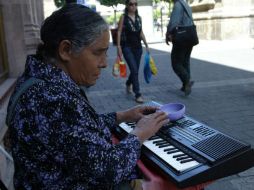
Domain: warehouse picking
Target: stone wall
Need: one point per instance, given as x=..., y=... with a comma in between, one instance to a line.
x=220, y=28
x=231, y=20
x=22, y=21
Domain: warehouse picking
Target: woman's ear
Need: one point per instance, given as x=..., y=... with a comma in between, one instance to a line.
x=64, y=50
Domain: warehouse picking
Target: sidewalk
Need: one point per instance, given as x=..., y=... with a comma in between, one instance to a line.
x=222, y=97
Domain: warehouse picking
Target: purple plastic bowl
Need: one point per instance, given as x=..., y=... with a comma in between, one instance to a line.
x=174, y=111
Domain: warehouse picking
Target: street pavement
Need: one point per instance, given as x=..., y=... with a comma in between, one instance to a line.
x=222, y=96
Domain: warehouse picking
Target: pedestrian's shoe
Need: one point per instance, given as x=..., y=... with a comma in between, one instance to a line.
x=191, y=84
x=129, y=89
x=139, y=99
x=187, y=89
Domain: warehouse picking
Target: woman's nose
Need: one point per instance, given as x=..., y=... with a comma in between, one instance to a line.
x=103, y=63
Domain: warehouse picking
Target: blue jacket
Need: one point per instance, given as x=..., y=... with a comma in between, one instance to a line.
x=179, y=16
x=58, y=139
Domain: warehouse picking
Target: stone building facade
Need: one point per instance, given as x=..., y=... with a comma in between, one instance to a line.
x=224, y=19
x=215, y=19
x=20, y=20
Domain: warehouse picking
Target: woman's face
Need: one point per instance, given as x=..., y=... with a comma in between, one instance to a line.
x=85, y=67
x=132, y=5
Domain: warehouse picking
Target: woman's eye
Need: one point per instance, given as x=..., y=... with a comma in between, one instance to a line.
x=97, y=53
x=100, y=53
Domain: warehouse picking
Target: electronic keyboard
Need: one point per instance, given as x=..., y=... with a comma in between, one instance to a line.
x=189, y=152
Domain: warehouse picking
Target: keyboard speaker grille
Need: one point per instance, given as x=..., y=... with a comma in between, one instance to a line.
x=219, y=146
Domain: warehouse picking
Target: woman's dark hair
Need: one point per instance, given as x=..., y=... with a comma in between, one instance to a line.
x=126, y=8
x=76, y=23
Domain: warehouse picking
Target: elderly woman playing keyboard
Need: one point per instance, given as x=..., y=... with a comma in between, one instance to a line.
x=58, y=140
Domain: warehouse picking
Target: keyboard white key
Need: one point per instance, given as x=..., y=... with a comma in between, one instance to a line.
x=126, y=127
x=177, y=165
x=168, y=158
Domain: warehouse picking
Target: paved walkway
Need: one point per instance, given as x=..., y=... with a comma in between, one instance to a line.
x=222, y=97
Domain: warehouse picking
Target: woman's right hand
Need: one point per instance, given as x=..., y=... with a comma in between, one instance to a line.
x=119, y=52
x=148, y=125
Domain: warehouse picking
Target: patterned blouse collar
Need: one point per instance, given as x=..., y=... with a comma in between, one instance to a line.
x=49, y=73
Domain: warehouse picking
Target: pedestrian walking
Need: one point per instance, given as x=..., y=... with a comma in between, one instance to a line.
x=58, y=140
x=129, y=38
x=180, y=54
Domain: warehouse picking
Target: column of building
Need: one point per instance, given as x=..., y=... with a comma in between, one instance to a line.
x=22, y=21
x=32, y=15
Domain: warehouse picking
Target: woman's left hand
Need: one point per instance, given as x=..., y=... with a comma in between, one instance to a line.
x=147, y=49
x=134, y=114
x=168, y=38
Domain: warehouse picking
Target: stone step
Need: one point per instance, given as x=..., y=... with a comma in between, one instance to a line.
x=5, y=89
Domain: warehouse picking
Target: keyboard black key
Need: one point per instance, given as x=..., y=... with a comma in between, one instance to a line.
x=164, y=145
x=173, y=151
x=183, y=158
x=178, y=155
x=187, y=160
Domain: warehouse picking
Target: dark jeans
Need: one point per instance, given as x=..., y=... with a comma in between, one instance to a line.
x=180, y=58
x=132, y=57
